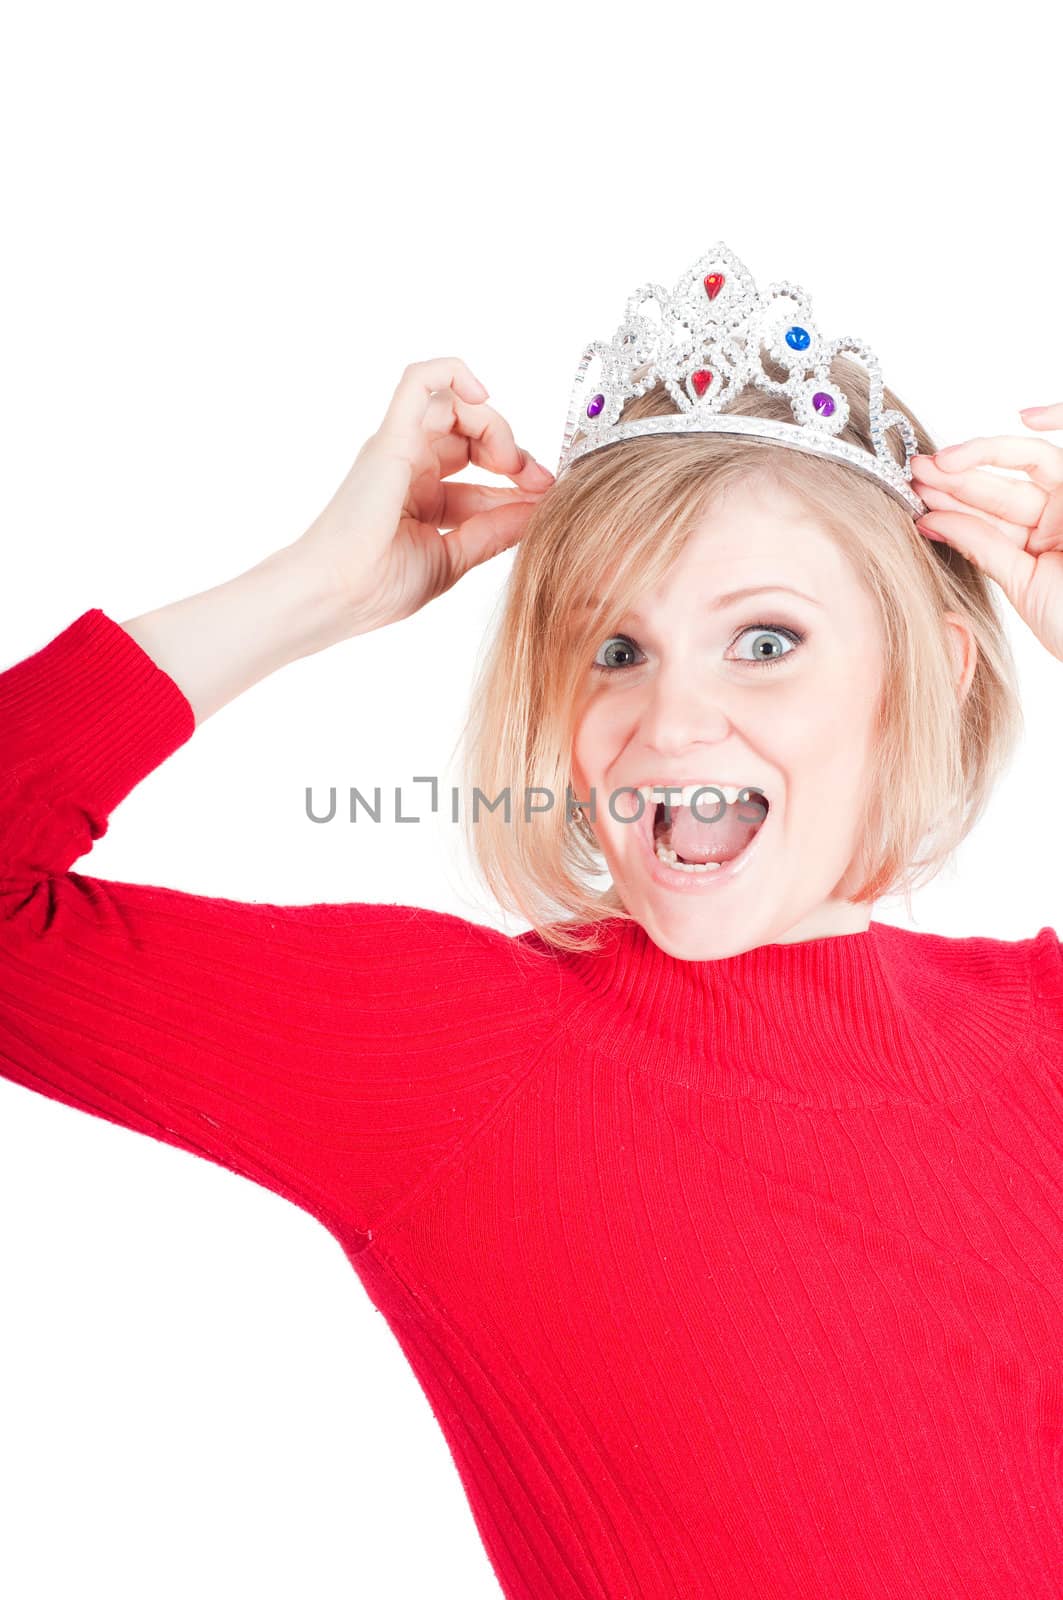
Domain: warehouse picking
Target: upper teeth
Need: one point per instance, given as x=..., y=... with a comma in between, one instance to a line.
x=674, y=795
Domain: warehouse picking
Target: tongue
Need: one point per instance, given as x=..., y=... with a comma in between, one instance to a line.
x=697, y=840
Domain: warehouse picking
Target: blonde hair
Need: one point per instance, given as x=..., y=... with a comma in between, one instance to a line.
x=612, y=527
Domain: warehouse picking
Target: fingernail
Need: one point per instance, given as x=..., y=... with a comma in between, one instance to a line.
x=1032, y=411
x=930, y=534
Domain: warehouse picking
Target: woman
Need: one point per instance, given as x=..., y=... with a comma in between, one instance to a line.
x=722, y=1225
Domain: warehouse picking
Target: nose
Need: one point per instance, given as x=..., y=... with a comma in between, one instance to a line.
x=684, y=707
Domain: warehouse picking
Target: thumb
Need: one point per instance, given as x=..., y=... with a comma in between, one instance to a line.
x=487, y=534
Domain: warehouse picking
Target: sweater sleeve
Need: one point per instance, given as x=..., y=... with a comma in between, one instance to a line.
x=337, y=1054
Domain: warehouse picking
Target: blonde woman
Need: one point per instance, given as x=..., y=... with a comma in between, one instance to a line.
x=721, y=1224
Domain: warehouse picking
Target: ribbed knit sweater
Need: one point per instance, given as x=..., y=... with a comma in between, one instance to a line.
x=735, y=1278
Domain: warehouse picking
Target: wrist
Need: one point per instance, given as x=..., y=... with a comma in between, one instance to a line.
x=311, y=612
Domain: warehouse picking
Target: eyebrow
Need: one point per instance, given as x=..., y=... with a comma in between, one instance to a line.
x=734, y=595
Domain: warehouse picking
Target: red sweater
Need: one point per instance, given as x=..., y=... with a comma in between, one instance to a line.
x=737, y=1278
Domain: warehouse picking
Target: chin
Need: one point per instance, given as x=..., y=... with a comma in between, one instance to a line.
x=712, y=940
x=695, y=930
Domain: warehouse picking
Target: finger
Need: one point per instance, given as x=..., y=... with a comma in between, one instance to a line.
x=448, y=505
x=483, y=437
x=941, y=500
x=452, y=452
x=1015, y=500
x=438, y=441
x=1050, y=528
x=1043, y=416
x=1008, y=564
x=446, y=456
x=442, y=437
x=484, y=536
x=463, y=501
x=413, y=397
x=493, y=447
x=1043, y=461
x=442, y=457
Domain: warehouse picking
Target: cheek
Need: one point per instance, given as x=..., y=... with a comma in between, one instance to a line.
x=596, y=740
x=825, y=751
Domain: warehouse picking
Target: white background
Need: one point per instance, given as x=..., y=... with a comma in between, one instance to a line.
x=227, y=230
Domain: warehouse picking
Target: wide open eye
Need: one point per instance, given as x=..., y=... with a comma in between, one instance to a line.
x=616, y=648
x=764, y=638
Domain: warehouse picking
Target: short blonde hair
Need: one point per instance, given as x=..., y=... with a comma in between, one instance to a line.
x=612, y=527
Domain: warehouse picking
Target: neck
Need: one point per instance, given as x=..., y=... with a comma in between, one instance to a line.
x=832, y=917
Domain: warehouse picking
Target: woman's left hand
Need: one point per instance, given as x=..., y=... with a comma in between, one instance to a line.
x=1010, y=528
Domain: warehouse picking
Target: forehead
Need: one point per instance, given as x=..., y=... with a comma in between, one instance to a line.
x=753, y=537
x=763, y=509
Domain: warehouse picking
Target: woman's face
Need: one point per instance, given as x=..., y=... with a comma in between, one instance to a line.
x=681, y=695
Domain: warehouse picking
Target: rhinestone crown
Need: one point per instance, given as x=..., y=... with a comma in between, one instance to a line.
x=705, y=342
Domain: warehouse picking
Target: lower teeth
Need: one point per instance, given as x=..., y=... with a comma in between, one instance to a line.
x=670, y=859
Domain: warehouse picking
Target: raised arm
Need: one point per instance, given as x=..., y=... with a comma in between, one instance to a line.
x=336, y=1054
x=373, y=556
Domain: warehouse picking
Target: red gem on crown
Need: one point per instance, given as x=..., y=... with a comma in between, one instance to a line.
x=701, y=381
x=714, y=283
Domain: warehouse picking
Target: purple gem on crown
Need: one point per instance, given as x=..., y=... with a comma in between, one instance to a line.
x=823, y=404
x=596, y=405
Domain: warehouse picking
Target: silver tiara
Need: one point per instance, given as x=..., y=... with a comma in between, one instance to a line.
x=705, y=342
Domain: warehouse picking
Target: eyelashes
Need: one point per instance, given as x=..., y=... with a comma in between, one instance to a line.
x=794, y=635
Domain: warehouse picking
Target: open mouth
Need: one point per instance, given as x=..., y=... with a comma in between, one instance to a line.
x=708, y=838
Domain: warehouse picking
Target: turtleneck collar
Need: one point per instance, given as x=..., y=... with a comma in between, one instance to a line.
x=851, y=1019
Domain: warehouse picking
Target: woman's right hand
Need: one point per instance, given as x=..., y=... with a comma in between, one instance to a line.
x=378, y=541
